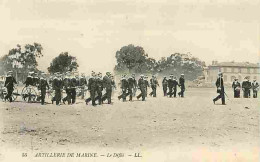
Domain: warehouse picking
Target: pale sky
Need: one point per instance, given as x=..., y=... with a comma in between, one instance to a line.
x=93, y=30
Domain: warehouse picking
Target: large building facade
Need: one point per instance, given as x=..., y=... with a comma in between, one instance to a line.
x=232, y=70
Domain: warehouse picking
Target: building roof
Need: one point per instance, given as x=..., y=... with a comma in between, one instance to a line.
x=235, y=64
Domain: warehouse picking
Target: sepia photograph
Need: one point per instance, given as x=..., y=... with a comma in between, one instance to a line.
x=124, y=81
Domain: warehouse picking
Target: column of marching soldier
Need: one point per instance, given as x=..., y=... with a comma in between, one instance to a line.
x=128, y=85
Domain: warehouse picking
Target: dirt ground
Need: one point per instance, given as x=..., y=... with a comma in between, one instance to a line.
x=160, y=129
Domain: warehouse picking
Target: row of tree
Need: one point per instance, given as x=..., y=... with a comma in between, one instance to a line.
x=23, y=59
x=130, y=59
x=133, y=59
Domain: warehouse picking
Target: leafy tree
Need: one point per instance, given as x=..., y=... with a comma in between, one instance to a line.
x=62, y=63
x=130, y=59
x=181, y=63
x=22, y=59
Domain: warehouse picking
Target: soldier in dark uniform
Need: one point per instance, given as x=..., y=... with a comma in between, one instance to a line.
x=124, y=88
x=9, y=84
x=99, y=86
x=172, y=85
x=67, y=87
x=108, y=83
x=246, y=86
x=132, y=84
x=35, y=79
x=113, y=85
x=73, y=85
x=82, y=85
x=92, y=87
x=142, y=85
x=164, y=85
x=43, y=85
x=220, y=89
x=57, y=86
x=135, y=85
x=255, y=87
x=236, y=87
x=146, y=85
x=154, y=83
x=29, y=80
x=182, y=85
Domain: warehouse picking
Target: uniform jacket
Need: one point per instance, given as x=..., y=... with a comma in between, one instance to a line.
x=255, y=85
x=141, y=83
x=172, y=83
x=9, y=82
x=99, y=83
x=92, y=83
x=57, y=84
x=43, y=84
x=28, y=81
x=165, y=82
x=124, y=84
x=236, y=85
x=132, y=83
x=73, y=83
x=107, y=83
x=246, y=84
x=182, y=82
x=220, y=83
x=82, y=81
x=154, y=82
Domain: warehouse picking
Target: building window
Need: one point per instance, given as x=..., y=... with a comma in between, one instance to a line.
x=248, y=70
x=225, y=78
x=232, y=70
x=225, y=70
x=255, y=71
x=239, y=70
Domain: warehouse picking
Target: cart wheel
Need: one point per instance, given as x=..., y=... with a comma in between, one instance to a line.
x=29, y=94
x=15, y=94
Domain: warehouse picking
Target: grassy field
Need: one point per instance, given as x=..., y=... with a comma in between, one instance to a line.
x=166, y=129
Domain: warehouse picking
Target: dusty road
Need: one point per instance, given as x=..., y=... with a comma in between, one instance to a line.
x=166, y=129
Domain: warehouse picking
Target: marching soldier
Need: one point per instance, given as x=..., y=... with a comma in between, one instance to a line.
x=99, y=86
x=113, y=85
x=57, y=86
x=92, y=89
x=108, y=83
x=43, y=85
x=131, y=87
x=182, y=85
x=146, y=85
x=135, y=84
x=9, y=84
x=246, y=86
x=73, y=85
x=164, y=85
x=67, y=87
x=255, y=87
x=124, y=88
x=236, y=87
x=82, y=85
x=142, y=86
x=29, y=80
x=35, y=79
x=172, y=84
x=154, y=83
x=220, y=89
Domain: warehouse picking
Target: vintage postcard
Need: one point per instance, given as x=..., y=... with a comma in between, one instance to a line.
x=136, y=80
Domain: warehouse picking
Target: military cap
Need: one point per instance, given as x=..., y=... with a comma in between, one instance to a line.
x=182, y=74
x=10, y=72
